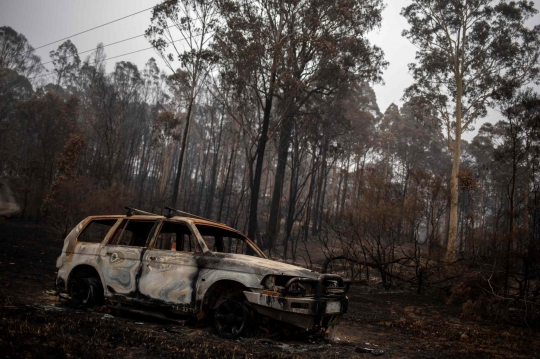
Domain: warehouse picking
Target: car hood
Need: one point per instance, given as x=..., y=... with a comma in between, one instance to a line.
x=256, y=265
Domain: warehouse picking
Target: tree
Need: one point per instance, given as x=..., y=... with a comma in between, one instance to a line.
x=13, y=89
x=66, y=62
x=309, y=65
x=289, y=51
x=64, y=196
x=471, y=52
x=16, y=53
x=252, y=43
x=46, y=120
x=518, y=135
x=17, y=63
x=194, y=22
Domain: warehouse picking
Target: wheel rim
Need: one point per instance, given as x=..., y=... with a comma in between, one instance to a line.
x=230, y=318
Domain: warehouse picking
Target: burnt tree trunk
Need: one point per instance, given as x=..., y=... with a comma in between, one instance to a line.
x=283, y=151
x=182, y=153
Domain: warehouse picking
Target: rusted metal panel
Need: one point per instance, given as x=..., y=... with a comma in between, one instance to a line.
x=120, y=267
x=169, y=276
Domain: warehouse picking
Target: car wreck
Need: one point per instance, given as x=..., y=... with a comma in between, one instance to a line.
x=182, y=264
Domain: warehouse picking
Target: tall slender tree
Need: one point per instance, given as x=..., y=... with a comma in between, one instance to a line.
x=252, y=42
x=310, y=65
x=66, y=62
x=193, y=22
x=470, y=52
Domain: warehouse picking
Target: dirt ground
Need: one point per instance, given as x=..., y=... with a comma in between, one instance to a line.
x=33, y=324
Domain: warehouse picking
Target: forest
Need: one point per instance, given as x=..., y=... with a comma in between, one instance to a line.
x=264, y=118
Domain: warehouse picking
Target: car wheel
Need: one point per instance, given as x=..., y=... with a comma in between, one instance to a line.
x=86, y=292
x=231, y=318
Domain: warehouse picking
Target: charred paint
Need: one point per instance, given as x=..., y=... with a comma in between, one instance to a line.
x=179, y=281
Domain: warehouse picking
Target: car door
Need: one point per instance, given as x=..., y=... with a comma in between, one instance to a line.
x=169, y=267
x=120, y=257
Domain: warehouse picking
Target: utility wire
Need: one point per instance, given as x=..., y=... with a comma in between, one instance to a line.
x=109, y=58
x=114, y=43
x=100, y=61
x=83, y=52
x=114, y=57
x=94, y=28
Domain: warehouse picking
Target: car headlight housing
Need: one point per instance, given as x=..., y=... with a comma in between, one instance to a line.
x=269, y=283
x=277, y=283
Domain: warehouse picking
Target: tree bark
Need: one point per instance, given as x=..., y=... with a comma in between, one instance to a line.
x=454, y=179
x=182, y=153
x=283, y=152
x=261, y=145
x=228, y=175
x=214, y=171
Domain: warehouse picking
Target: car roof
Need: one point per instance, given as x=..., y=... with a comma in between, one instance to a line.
x=154, y=217
x=195, y=221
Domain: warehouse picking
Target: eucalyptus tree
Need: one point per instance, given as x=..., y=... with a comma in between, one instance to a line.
x=470, y=52
x=16, y=54
x=251, y=44
x=181, y=30
x=288, y=51
x=18, y=63
x=324, y=46
x=518, y=139
x=114, y=118
x=66, y=62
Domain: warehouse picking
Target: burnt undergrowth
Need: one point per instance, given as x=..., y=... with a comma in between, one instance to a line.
x=35, y=332
x=396, y=320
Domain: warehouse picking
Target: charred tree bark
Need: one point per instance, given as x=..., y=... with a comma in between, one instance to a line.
x=321, y=180
x=293, y=193
x=213, y=174
x=182, y=153
x=230, y=170
x=272, y=229
x=261, y=145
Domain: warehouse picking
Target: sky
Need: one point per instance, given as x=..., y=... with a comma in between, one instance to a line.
x=45, y=21
x=400, y=52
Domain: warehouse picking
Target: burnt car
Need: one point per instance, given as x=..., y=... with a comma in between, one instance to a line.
x=181, y=264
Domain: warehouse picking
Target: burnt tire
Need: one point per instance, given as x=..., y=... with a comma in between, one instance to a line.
x=231, y=319
x=86, y=292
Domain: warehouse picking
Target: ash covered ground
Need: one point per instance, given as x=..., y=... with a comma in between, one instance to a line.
x=34, y=324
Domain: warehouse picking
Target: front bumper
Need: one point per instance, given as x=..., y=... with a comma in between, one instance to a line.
x=306, y=312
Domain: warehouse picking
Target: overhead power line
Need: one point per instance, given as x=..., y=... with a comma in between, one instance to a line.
x=109, y=58
x=111, y=44
x=114, y=43
x=94, y=28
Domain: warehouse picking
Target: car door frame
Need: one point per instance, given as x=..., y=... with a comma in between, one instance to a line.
x=170, y=278
x=120, y=265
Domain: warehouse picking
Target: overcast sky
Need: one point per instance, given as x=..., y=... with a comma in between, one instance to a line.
x=44, y=21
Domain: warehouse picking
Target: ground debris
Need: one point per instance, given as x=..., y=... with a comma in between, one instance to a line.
x=291, y=348
x=47, y=308
x=173, y=329
x=429, y=328
x=375, y=352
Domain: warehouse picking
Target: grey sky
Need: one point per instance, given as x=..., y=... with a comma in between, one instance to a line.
x=44, y=21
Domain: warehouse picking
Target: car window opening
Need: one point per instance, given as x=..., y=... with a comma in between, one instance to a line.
x=132, y=233
x=175, y=237
x=96, y=230
x=224, y=241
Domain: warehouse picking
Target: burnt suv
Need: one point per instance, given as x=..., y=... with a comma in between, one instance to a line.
x=181, y=264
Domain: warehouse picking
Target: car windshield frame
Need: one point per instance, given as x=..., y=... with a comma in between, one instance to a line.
x=257, y=252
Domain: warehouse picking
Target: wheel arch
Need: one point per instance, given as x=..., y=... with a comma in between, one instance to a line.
x=220, y=290
x=83, y=270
